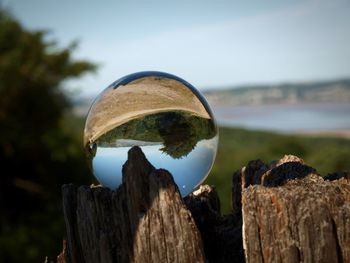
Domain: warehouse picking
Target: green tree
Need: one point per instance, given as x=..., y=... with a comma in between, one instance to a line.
x=38, y=153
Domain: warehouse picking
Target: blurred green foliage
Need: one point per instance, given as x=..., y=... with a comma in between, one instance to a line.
x=238, y=146
x=38, y=150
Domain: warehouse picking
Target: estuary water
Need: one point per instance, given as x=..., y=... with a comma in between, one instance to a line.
x=286, y=118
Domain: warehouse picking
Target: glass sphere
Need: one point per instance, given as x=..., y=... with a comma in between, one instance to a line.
x=162, y=114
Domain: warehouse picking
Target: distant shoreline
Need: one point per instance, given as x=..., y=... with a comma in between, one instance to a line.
x=336, y=133
x=342, y=133
x=294, y=93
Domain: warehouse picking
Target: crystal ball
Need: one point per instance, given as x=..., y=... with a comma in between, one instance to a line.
x=162, y=114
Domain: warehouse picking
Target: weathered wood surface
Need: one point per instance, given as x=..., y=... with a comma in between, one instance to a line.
x=145, y=220
x=284, y=210
x=291, y=214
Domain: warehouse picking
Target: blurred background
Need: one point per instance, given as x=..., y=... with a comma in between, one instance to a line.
x=276, y=73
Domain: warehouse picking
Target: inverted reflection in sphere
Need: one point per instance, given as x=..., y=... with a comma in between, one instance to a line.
x=162, y=114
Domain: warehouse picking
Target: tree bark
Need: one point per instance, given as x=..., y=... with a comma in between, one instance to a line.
x=291, y=214
x=145, y=220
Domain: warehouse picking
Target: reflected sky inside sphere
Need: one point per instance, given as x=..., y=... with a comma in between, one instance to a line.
x=187, y=171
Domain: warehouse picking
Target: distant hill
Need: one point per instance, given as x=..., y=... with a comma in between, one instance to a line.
x=310, y=92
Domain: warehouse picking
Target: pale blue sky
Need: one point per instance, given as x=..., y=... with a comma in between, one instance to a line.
x=211, y=44
x=107, y=164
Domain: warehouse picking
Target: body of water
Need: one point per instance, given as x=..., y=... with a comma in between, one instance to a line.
x=286, y=118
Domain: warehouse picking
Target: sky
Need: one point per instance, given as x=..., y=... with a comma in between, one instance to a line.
x=108, y=161
x=211, y=44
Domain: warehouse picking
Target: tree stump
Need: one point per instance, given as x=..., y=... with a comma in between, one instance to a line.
x=145, y=220
x=291, y=214
x=284, y=211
